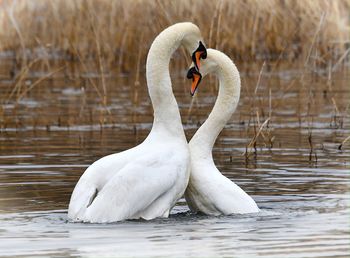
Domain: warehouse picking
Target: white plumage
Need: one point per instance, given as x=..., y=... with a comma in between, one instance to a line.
x=147, y=180
x=208, y=190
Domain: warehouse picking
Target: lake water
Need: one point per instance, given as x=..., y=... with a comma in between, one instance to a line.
x=60, y=127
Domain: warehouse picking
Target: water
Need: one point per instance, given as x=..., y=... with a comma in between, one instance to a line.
x=59, y=128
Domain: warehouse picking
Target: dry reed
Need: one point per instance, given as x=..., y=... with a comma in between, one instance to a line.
x=113, y=37
x=109, y=30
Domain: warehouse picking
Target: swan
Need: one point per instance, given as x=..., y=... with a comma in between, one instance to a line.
x=208, y=191
x=147, y=180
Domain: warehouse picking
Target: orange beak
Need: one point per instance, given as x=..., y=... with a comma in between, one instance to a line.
x=198, y=58
x=196, y=77
x=195, y=82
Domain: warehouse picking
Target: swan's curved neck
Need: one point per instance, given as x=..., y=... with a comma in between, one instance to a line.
x=166, y=112
x=202, y=143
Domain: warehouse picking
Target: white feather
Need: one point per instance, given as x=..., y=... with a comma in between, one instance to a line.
x=145, y=181
x=208, y=190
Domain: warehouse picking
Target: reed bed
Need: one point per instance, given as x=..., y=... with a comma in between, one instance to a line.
x=92, y=43
x=115, y=30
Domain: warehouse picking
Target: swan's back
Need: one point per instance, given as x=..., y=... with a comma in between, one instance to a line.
x=143, y=182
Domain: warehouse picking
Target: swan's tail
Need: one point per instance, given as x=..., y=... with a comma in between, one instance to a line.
x=83, y=195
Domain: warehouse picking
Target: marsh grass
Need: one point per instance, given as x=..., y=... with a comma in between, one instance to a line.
x=95, y=42
x=115, y=30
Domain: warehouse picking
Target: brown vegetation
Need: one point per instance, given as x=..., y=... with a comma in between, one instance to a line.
x=115, y=30
x=90, y=43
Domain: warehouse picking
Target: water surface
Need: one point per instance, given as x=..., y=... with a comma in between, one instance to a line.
x=52, y=134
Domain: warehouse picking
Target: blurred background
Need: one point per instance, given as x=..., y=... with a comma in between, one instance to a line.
x=73, y=89
x=94, y=46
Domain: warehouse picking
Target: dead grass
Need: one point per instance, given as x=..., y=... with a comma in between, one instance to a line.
x=111, y=30
x=112, y=37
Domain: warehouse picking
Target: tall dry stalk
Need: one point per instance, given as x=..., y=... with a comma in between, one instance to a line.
x=246, y=30
x=112, y=37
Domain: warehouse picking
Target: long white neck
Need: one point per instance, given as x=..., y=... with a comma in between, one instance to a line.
x=167, y=117
x=202, y=142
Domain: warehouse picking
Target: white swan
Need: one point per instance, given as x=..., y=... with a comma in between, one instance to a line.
x=208, y=190
x=147, y=180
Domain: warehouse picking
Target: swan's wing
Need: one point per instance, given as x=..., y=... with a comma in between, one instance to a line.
x=134, y=188
x=93, y=180
x=213, y=193
x=232, y=198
